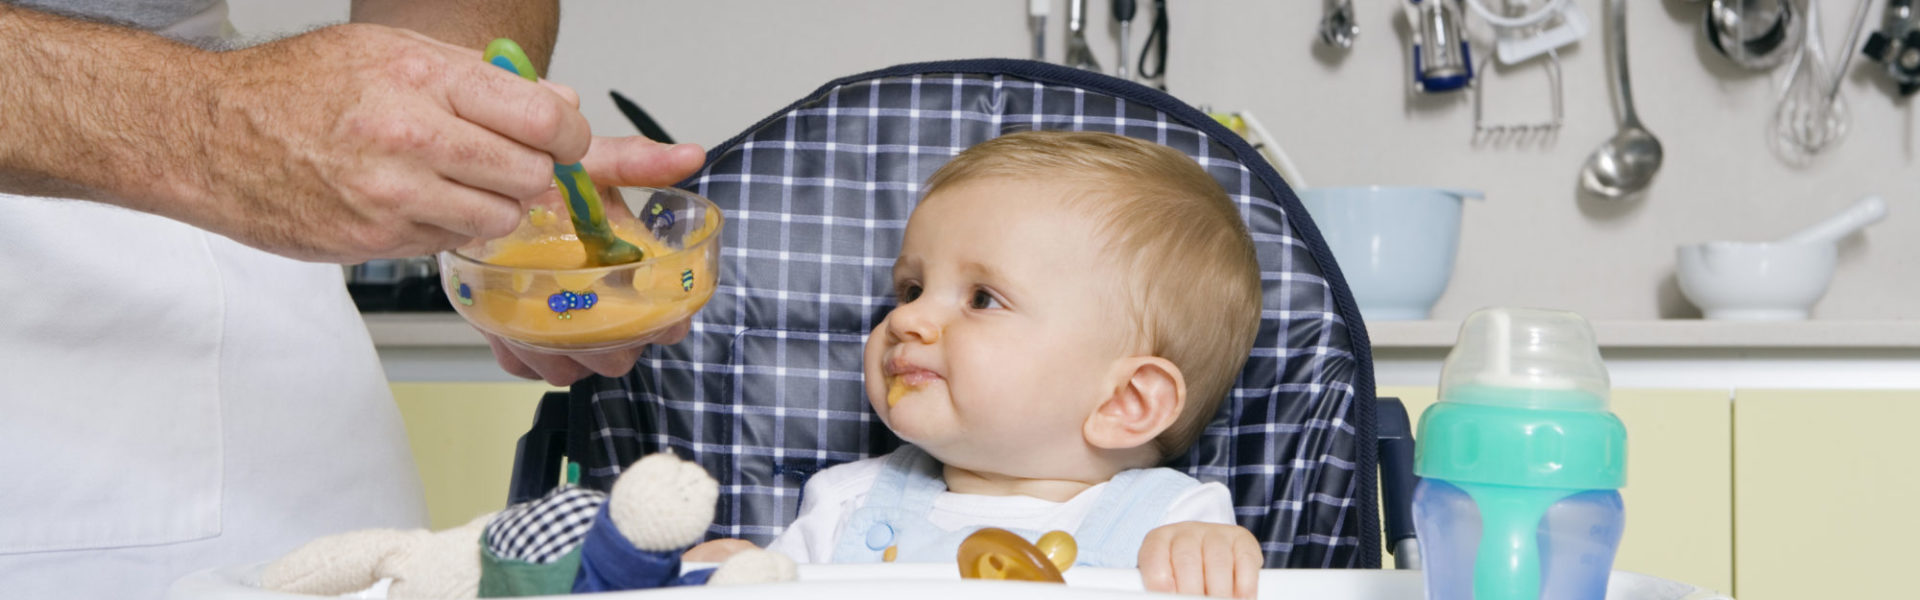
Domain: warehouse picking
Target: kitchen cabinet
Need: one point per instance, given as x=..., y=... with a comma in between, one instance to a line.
x=1824, y=493
x=1679, y=494
x=463, y=435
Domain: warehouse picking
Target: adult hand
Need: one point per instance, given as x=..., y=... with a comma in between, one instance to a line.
x=611, y=162
x=362, y=141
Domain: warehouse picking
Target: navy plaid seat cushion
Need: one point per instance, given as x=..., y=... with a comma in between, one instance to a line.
x=766, y=389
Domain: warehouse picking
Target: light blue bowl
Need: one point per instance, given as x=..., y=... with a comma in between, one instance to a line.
x=1394, y=244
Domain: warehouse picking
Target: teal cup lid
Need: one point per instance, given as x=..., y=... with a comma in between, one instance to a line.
x=1523, y=402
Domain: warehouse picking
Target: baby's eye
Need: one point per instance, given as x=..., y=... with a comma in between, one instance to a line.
x=907, y=292
x=982, y=300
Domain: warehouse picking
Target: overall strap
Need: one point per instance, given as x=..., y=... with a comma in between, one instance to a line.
x=910, y=481
x=899, y=500
x=1134, y=503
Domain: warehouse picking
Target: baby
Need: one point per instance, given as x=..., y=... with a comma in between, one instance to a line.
x=1072, y=309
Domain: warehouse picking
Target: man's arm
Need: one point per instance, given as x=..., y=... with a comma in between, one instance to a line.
x=472, y=23
x=96, y=111
x=342, y=144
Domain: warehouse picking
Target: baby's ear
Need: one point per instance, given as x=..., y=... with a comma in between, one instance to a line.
x=1147, y=395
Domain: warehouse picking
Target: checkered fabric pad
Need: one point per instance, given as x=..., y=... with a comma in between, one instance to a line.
x=542, y=530
x=766, y=389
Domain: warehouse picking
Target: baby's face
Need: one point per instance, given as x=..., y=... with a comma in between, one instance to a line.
x=1006, y=333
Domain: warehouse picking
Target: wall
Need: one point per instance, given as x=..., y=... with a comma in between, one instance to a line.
x=708, y=69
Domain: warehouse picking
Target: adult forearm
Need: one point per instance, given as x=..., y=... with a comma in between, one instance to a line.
x=472, y=23
x=97, y=111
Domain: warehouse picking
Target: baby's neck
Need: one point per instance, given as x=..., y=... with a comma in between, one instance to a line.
x=983, y=483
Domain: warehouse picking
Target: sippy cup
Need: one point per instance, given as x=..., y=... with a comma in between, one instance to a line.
x=1520, y=462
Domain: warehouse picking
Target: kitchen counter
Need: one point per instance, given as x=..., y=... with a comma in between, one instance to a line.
x=1685, y=333
x=1690, y=354
x=416, y=330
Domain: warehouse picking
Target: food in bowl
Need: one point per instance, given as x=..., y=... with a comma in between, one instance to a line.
x=535, y=288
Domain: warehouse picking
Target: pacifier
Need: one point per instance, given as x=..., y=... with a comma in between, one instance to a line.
x=998, y=554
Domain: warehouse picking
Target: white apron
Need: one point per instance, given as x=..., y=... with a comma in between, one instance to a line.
x=171, y=400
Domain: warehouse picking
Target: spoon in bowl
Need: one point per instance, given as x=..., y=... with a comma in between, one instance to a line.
x=1625, y=165
x=583, y=199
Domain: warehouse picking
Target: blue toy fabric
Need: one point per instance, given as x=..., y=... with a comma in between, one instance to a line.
x=609, y=563
x=566, y=541
x=896, y=508
x=766, y=389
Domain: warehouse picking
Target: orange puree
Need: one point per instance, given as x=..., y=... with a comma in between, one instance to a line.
x=895, y=390
x=628, y=301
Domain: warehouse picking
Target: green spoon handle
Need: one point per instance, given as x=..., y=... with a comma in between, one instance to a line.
x=584, y=206
x=583, y=198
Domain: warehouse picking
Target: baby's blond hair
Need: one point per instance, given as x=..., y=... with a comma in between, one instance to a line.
x=1191, y=281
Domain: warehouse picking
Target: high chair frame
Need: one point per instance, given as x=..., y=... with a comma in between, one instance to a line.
x=766, y=388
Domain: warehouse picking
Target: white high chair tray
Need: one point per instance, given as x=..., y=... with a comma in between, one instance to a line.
x=942, y=582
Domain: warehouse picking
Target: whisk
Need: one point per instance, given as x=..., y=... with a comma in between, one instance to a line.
x=1811, y=115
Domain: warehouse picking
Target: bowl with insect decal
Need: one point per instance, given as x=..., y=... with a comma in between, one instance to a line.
x=536, y=288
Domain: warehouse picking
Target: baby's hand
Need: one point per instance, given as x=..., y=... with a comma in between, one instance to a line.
x=713, y=551
x=1201, y=559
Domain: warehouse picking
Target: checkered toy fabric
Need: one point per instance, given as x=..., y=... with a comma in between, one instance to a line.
x=766, y=388
x=543, y=530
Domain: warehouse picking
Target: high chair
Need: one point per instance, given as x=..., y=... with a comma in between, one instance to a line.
x=766, y=389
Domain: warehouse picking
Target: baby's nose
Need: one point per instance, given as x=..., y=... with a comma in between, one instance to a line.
x=912, y=323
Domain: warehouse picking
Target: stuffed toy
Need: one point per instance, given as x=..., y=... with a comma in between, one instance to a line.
x=572, y=540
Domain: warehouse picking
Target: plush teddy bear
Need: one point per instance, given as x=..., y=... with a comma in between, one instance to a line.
x=572, y=540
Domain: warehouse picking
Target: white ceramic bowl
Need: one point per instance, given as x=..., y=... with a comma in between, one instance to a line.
x=1395, y=245
x=1756, y=281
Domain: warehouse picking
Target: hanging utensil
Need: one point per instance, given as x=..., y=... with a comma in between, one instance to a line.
x=1123, y=14
x=1520, y=35
x=1811, y=115
x=1625, y=165
x=1897, y=45
x=1756, y=34
x=1079, y=56
x=1518, y=134
x=1037, y=23
x=1338, y=28
x=1442, y=60
x=1153, y=53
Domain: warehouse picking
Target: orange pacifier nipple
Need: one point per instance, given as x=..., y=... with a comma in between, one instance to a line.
x=993, y=553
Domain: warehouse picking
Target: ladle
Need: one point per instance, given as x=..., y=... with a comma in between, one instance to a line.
x=1625, y=165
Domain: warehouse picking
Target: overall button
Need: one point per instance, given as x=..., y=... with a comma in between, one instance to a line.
x=880, y=536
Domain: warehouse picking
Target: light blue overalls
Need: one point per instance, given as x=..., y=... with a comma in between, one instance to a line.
x=895, y=514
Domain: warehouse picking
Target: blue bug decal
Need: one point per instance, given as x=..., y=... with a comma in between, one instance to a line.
x=659, y=217
x=463, y=291
x=566, y=302
x=686, y=280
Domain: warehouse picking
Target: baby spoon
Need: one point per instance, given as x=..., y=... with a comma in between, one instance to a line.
x=583, y=199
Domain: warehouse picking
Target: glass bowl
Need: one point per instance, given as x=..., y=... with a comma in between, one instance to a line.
x=532, y=288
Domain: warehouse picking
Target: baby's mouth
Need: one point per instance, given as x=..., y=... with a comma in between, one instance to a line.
x=899, y=384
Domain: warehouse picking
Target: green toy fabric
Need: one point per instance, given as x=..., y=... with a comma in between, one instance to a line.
x=510, y=578
x=533, y=548
x=545, y=528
